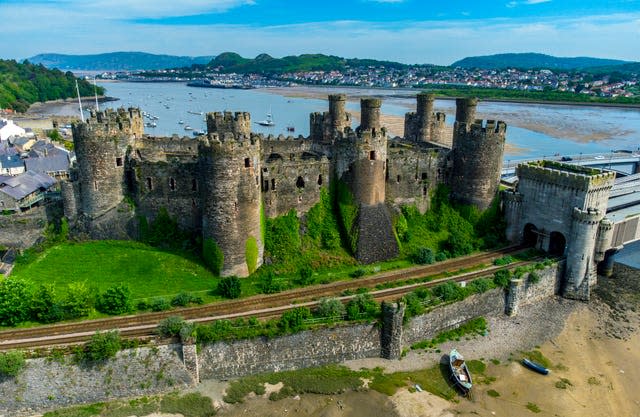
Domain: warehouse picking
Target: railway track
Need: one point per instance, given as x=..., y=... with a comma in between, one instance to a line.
x=261, y=306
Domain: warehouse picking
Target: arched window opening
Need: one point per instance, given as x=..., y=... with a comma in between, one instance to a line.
x=300, y=182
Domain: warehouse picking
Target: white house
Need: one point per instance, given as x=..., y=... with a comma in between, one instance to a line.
x=9, y=129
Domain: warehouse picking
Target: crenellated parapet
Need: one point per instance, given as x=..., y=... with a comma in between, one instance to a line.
x=424, y=125
x=565, y=175
x=238, y=123
x=329, y=126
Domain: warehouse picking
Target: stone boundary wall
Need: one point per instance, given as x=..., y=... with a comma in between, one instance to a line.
x=223, y=360
x=47, y=384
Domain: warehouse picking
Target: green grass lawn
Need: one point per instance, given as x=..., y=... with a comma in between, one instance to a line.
x=148, y=271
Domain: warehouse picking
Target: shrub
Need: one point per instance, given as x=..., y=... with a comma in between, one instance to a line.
x=159, y=304
x=480, y=285
x=78, y=301
x=267, y=283
x=293, y=320
x=184, y=299
x=505, y=260
x=501, y=278
x=414, y=306
x=171, y=326
x=441, y=256
x=362, y=306
x=229, y=287
x=14, y=301
x=283, y=236
x=11, y=363
x=331, y=308
x=533, y=278
x=423, y=256
x=212, y=256
x=306, y=275
x=358, y=273
x=115, y=300
x=449, y=291
x=45, y=307
x=101, y=347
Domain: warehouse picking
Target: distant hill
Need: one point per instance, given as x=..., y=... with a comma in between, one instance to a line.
x=117, y=61
x=265, y=64
x=24, y=84
x=532, y=61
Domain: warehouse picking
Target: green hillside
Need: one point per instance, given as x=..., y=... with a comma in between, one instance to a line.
x=265, y=64
x=533, y=61
x=24, y=84
x=117, y=61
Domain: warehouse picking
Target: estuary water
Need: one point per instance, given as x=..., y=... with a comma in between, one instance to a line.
x=534, y=130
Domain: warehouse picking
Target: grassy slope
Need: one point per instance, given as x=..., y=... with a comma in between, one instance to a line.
x=148, y=271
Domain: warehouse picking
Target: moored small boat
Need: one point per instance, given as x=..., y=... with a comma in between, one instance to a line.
x=459, y=371
x=535, y=366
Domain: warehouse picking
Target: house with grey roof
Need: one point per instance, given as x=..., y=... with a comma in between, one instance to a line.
x=55, y=165
x=11, y=163
x=21, y=192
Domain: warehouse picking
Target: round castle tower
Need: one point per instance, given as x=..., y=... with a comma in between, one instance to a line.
x=370, y=155
x=101, y=145
x=581, y=267
x=229, y=159
x=478, y=149
x=328, y=126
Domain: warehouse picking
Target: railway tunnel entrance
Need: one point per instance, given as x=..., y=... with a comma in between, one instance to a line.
x=557, y=244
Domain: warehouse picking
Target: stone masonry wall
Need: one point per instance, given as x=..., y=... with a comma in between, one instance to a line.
x=224, y=360
x=46, y=384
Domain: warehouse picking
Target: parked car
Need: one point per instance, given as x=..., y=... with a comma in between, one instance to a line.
x=566, y=158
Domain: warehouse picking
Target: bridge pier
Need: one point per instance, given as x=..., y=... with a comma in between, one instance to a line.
x=605, y=267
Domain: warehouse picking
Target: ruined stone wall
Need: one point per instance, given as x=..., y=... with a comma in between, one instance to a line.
x=477, y=154
x=173, y=185
x=413, y=172
x=293, y=183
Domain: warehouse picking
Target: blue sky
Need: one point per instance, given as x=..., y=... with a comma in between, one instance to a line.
x=411, y=31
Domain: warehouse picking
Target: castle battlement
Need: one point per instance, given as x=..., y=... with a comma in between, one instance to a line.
x=228, y=122
x=283, y=138
x=565, y=175
x=588, y=216
x=481, y=128
x=109, y=123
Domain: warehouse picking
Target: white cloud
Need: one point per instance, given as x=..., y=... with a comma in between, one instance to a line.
x=40, y=29
x=536, y=1
x=514, y=3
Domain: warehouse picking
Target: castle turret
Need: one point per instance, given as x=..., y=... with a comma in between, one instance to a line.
x=101, y=145
x=478, y=150
x=238, y=123
x=581, y=267
x=466, y=110
x=424, y=125
x=231, y=197
x=328, y=126
x=370, y=114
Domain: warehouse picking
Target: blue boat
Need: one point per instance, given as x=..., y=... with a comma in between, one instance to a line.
x=459, y=371
x=535, y=366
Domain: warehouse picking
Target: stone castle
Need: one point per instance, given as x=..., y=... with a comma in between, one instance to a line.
x=218, y=184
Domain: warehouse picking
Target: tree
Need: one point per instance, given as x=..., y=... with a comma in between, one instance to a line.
x=115, y=300
x=15, y=298
x=229, y=287
x=423, y=256
x=45, y=307
x=331, y=308
x=78, y=301
x=293, y=320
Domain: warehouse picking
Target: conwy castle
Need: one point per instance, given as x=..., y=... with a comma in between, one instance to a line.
x=221, y=184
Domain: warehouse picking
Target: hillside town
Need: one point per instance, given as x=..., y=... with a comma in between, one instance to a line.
x=419, y=76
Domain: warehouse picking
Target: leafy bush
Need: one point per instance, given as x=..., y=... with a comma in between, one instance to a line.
x=331, y=308
x=229, y=287
x=533, y=277
x=501, y=278
x=441, y=256
x=184, y=299
x=306, y=275
x=115, y=300
x=45, y=306
x=322, y=225
x=423, y=256
x=283, y=236
x=449, y=291
x=11, y=363
x=293, y=320
x=212, y=256
x=15, y=298
x=414, y=306
x=171, y=326
x=362, y=306
x=505, y=260
x=267, y=283
x=360, y=272
x=78, y=301
x=480, y=285
x=101, y=347
x=189, y=405
x=159, y=304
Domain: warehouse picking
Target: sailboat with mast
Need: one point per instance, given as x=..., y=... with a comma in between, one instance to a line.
x=268, y=121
